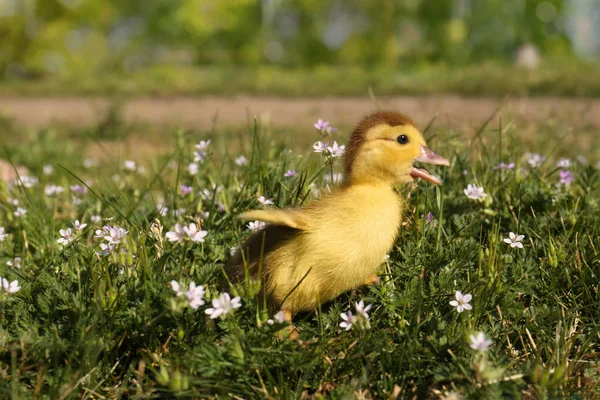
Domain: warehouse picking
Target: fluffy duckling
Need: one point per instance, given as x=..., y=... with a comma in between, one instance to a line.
x=309, y=255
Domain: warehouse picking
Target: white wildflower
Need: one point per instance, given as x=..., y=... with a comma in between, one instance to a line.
x=348, y=320
x=78, y=225
x=11, y=287
x=479, y=342
x=514, y=240
x=223, y=305
x=277, y=318
x=177, y=234
x=256, y=225
x=474, y=192
x=535, y=160
x=264, y=201
x=66, y=237
x=194, y=234
x=462, y=302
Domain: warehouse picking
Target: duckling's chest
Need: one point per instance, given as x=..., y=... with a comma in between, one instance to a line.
x=366, y=224
x=378, y=213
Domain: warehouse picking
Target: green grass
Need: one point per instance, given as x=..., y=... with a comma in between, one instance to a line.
x=89, y=326
x=562, y=77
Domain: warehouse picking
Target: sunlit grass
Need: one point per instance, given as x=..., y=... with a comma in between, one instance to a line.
x=88, y=325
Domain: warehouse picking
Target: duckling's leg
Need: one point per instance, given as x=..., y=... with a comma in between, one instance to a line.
x=372, y=280
x=287, y=315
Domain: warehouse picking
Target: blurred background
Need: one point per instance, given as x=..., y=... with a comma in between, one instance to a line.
x=85, y=40
x=130, y=73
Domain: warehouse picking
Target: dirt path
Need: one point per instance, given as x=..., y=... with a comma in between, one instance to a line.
x=200, y=112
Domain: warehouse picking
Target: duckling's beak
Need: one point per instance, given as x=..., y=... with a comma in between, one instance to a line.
x=429, y=157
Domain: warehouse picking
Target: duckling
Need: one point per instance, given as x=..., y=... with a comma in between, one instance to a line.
x=309, y=255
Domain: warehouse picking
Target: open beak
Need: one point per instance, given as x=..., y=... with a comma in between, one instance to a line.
x=429, y=157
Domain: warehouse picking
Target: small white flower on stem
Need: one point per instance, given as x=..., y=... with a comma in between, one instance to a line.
x=130, y=165
x=194, y=234
x=348, y=320
x=535, y=160
x=176, y=287
x=201, y=150
x=48, y=169
x=256, y=225
x=195, y=295
x=479, y=342
x=66, y=236
x=320, y=147
x=223, y=305
x=115, y=235
x=20, y=212
x=11, y=287
x=514, y=240
x=241, y=161
x=362, y=310
x=336, y=150
x=177, y=234
x=3, y=235
x=264, y=201
x=564, y=163
x=475, y=192
x=79, y=226
x=15, y=262
x=193, y=168
x=51, y=190
x=462, y=302
x=277, y=318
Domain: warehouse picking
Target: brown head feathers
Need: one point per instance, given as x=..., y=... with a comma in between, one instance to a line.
x=357, y=138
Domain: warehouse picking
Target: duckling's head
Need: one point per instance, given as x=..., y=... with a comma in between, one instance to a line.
x=383, y=148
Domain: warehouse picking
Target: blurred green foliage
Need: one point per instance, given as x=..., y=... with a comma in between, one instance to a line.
x=65, y=37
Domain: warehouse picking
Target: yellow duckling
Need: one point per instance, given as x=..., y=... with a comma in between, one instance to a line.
x=309, y=255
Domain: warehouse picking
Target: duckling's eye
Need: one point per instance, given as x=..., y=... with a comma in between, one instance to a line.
x=402, y=139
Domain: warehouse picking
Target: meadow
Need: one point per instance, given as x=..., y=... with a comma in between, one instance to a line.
x=492, y=289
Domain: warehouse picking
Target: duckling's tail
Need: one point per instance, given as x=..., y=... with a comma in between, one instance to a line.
x=276, y=217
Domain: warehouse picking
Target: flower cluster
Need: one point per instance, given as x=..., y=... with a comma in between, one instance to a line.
x=194, y=294
x=535, y=160
x=27, y=181
x=3, y=235
x=113, y=235
x=15, y=262
x=278, y=318
x=566, y=178
x=328, y=151
x=52, y=190
x=190, y=232
x=361, y=317
x=256, y=225
x=324, y=127
x=505, y=166
x=201, y=151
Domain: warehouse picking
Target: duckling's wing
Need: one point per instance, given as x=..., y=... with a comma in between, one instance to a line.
x=291, y=218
